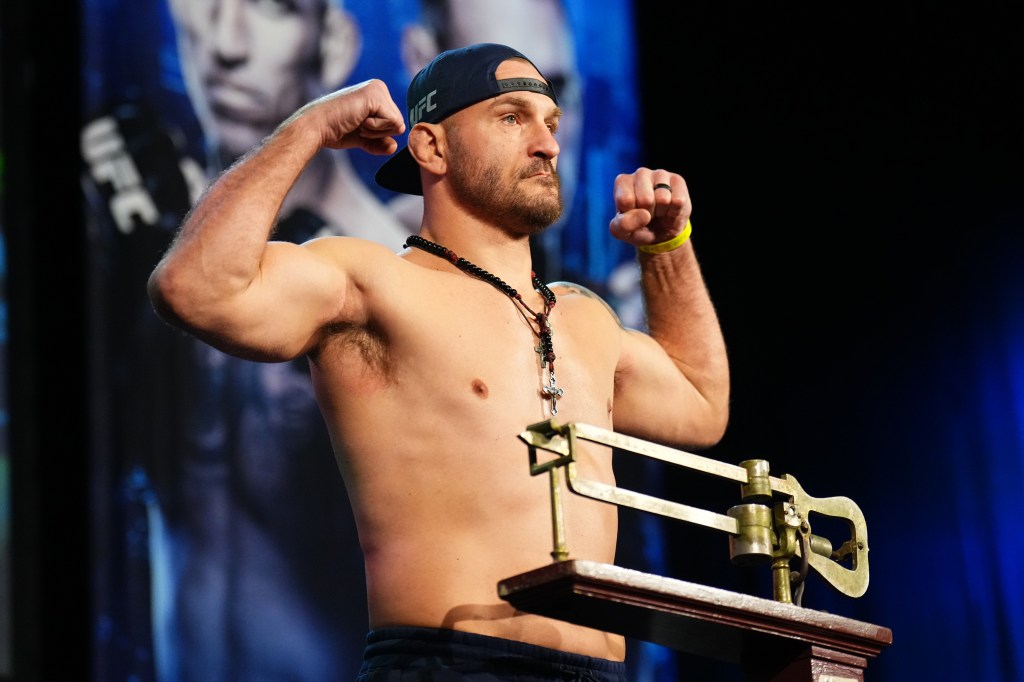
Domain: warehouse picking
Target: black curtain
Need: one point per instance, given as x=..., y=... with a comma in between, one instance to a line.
x=856, y=175
x=47, y=343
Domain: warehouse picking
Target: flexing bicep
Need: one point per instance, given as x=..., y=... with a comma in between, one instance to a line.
x=279, y=312
x=658, y=397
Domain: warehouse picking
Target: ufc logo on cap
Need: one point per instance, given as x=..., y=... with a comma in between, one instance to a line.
x=425, y=104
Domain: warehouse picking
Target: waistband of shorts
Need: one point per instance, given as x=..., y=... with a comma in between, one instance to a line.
x=419, y=641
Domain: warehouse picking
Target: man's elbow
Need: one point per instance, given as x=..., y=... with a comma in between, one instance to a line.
x=710, y=426
x=171, y=295
x=714, y=429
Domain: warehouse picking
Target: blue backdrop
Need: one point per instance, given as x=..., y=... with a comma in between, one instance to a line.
x=185, y=515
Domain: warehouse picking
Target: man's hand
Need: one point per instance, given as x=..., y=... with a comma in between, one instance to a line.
x=648, y=212
x=361, y=116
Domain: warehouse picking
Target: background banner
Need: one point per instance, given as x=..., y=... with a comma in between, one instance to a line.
x=224, y=548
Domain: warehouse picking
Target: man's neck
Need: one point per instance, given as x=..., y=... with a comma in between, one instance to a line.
x=491, y=247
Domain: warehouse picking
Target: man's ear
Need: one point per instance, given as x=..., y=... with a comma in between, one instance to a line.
x=427, y=145
x=418, y=48
x=340, y=44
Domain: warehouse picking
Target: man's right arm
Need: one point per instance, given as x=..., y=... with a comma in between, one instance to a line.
x=224, y=282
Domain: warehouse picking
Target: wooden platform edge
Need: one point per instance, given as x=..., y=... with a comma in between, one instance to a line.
x=688, y=617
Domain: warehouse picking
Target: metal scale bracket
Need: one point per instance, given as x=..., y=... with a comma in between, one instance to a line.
x=771, y=525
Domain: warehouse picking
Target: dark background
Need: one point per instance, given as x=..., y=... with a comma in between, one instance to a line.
x=856, y=175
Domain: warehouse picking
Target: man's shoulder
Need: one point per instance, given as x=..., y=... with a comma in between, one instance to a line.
x=371, y=267
x=352, y=248
x=572, y=291
x=572, y=288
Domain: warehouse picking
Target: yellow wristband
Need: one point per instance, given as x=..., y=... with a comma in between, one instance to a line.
x=671, y=244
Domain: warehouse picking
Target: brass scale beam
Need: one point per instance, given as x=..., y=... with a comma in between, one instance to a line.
x=770, y=526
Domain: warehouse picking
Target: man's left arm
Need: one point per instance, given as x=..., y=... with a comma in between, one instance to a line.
x=673, y=383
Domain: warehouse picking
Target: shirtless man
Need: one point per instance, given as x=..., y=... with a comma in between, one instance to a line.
x=425, y=368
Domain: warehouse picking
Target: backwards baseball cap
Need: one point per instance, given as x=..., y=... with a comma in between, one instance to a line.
x=453, y=81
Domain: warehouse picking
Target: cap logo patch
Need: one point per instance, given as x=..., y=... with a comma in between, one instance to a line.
x=426, y=104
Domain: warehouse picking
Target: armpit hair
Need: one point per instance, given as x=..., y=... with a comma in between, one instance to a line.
x=369, y=343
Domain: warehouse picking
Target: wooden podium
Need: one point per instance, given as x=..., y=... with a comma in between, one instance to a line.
x=771, y=640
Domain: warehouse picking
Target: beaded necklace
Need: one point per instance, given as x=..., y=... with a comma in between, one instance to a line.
x=545, y=348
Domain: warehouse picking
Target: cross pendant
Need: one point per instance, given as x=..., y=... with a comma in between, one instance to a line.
x=553, y=392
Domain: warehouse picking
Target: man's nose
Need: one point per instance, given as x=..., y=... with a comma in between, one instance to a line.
x=230, y=31
x=545, y=144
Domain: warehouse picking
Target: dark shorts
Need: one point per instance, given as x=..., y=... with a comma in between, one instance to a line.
x=424, y=655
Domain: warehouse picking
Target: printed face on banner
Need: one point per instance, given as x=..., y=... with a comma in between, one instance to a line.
x=248, y=64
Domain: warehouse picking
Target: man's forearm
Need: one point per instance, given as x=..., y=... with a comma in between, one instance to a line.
x=682, y=319
x=220, y=246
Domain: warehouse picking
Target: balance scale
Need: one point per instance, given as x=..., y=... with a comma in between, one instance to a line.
x=774, y=640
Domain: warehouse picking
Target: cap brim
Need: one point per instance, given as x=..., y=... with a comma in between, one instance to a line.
x=400, y=173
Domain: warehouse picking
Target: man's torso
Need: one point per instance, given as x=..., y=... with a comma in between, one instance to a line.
x=424, y=401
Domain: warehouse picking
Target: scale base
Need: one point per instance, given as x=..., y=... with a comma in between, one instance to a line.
x=771, y=640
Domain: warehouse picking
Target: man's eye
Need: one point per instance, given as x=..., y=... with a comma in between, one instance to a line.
x=275, y=7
